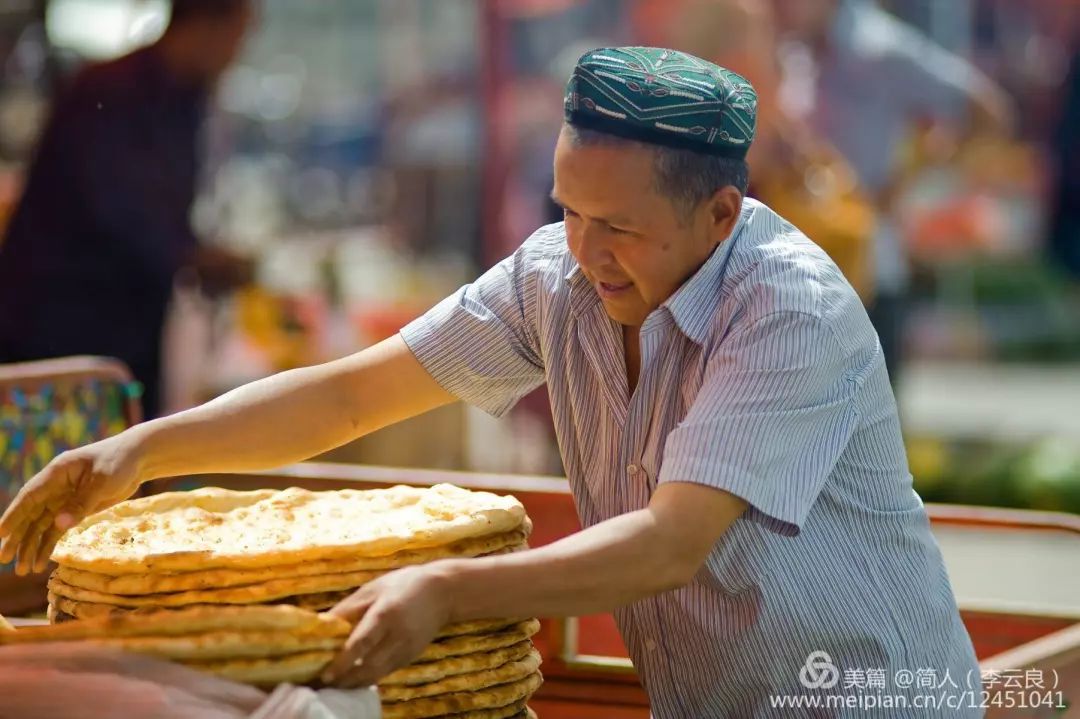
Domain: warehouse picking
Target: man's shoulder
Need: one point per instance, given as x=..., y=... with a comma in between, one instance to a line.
x=548, y=242
x=776, y=269
x=545, y=253
x=775, y=264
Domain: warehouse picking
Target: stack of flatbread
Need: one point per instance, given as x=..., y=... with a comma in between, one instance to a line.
x=261, y=645
x=212, y=550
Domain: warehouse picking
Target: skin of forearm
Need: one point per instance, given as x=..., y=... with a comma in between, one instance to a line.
x=274, y=421
x=287, y=417
x=609, y=565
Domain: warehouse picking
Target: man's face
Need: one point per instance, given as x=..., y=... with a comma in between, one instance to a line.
x=631, y=242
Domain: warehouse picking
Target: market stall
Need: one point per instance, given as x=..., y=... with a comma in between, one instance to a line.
x=1021, y=594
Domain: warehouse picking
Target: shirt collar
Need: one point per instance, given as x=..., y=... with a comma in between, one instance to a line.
x=582, y=293
x=694, y=304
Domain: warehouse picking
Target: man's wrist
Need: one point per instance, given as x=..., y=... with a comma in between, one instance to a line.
x=139, y=446
x=448, y=578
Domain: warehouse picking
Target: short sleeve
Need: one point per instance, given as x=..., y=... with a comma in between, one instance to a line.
x=480, y=344
x=774, y=414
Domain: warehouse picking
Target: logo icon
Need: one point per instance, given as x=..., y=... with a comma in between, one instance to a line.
x=819, y=672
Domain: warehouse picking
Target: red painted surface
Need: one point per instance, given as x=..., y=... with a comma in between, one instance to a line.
x=993, y=633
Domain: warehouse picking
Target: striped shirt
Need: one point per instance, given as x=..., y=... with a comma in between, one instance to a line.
x=761, y=376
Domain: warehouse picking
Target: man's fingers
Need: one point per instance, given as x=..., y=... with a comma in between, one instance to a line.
x=48, y=543
x=34, y=541
x=28, y=551
x=35, y=499
x=363, y=638
x=377, y=663
x=24, y=563
x=353, y=607
x=10, y=544
x=24, y=511
x=71, y=514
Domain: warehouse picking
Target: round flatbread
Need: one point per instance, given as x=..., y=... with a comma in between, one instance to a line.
x=224, y=645
x=511, y=671
x=270, y=591
x=217, y=528
x=157, y=583
x=90, y=610
x=477, y=626
x=182, y=622
x=302, y=668
x=64, y=609
x=458, y=646
x=427, y=672
x=496, y=697
x=497, y=713
x=516, y=710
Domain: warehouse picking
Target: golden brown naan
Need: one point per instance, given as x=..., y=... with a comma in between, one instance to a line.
x=212, y=527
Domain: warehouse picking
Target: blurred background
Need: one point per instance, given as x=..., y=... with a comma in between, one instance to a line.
x=364, y=158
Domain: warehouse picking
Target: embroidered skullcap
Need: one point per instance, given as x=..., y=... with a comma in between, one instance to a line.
x=662, y=97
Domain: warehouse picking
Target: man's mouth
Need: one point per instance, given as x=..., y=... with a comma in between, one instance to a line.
x=612, y=289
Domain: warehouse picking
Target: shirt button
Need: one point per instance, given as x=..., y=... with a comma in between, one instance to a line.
x=650, y=645
x=632, y=469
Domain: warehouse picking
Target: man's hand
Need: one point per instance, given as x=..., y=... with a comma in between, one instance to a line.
x=608, y=565
x=396, y=616
x=71, y=487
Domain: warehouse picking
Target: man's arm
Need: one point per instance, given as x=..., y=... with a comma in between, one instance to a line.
x=277, y=420
x=611, y=564
x=292, y=416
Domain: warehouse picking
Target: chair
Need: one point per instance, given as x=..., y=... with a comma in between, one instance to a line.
x=47, y=407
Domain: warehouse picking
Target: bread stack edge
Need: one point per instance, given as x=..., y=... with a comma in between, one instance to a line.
x=212, y=552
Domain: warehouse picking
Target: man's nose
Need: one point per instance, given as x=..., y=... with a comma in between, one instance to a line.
x=594, y=246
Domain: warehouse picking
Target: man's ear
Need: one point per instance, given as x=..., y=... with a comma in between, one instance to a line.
x=723, y=208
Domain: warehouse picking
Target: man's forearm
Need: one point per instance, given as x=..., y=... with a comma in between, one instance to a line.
x=290, y=416
x=612, y=564
x=273, y=421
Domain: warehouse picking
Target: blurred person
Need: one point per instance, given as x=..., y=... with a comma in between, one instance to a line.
x=1065, y=200
x=865, y=81
x=796, y=172
x=721, y=402
x=88, y=261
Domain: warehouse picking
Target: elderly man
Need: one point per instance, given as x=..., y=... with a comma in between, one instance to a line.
x=722, y=407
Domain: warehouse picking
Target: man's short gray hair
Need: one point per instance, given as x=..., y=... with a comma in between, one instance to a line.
x=686, y=177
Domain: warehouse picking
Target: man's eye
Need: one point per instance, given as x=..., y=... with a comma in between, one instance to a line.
x=619, y=231
x=568, y=213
